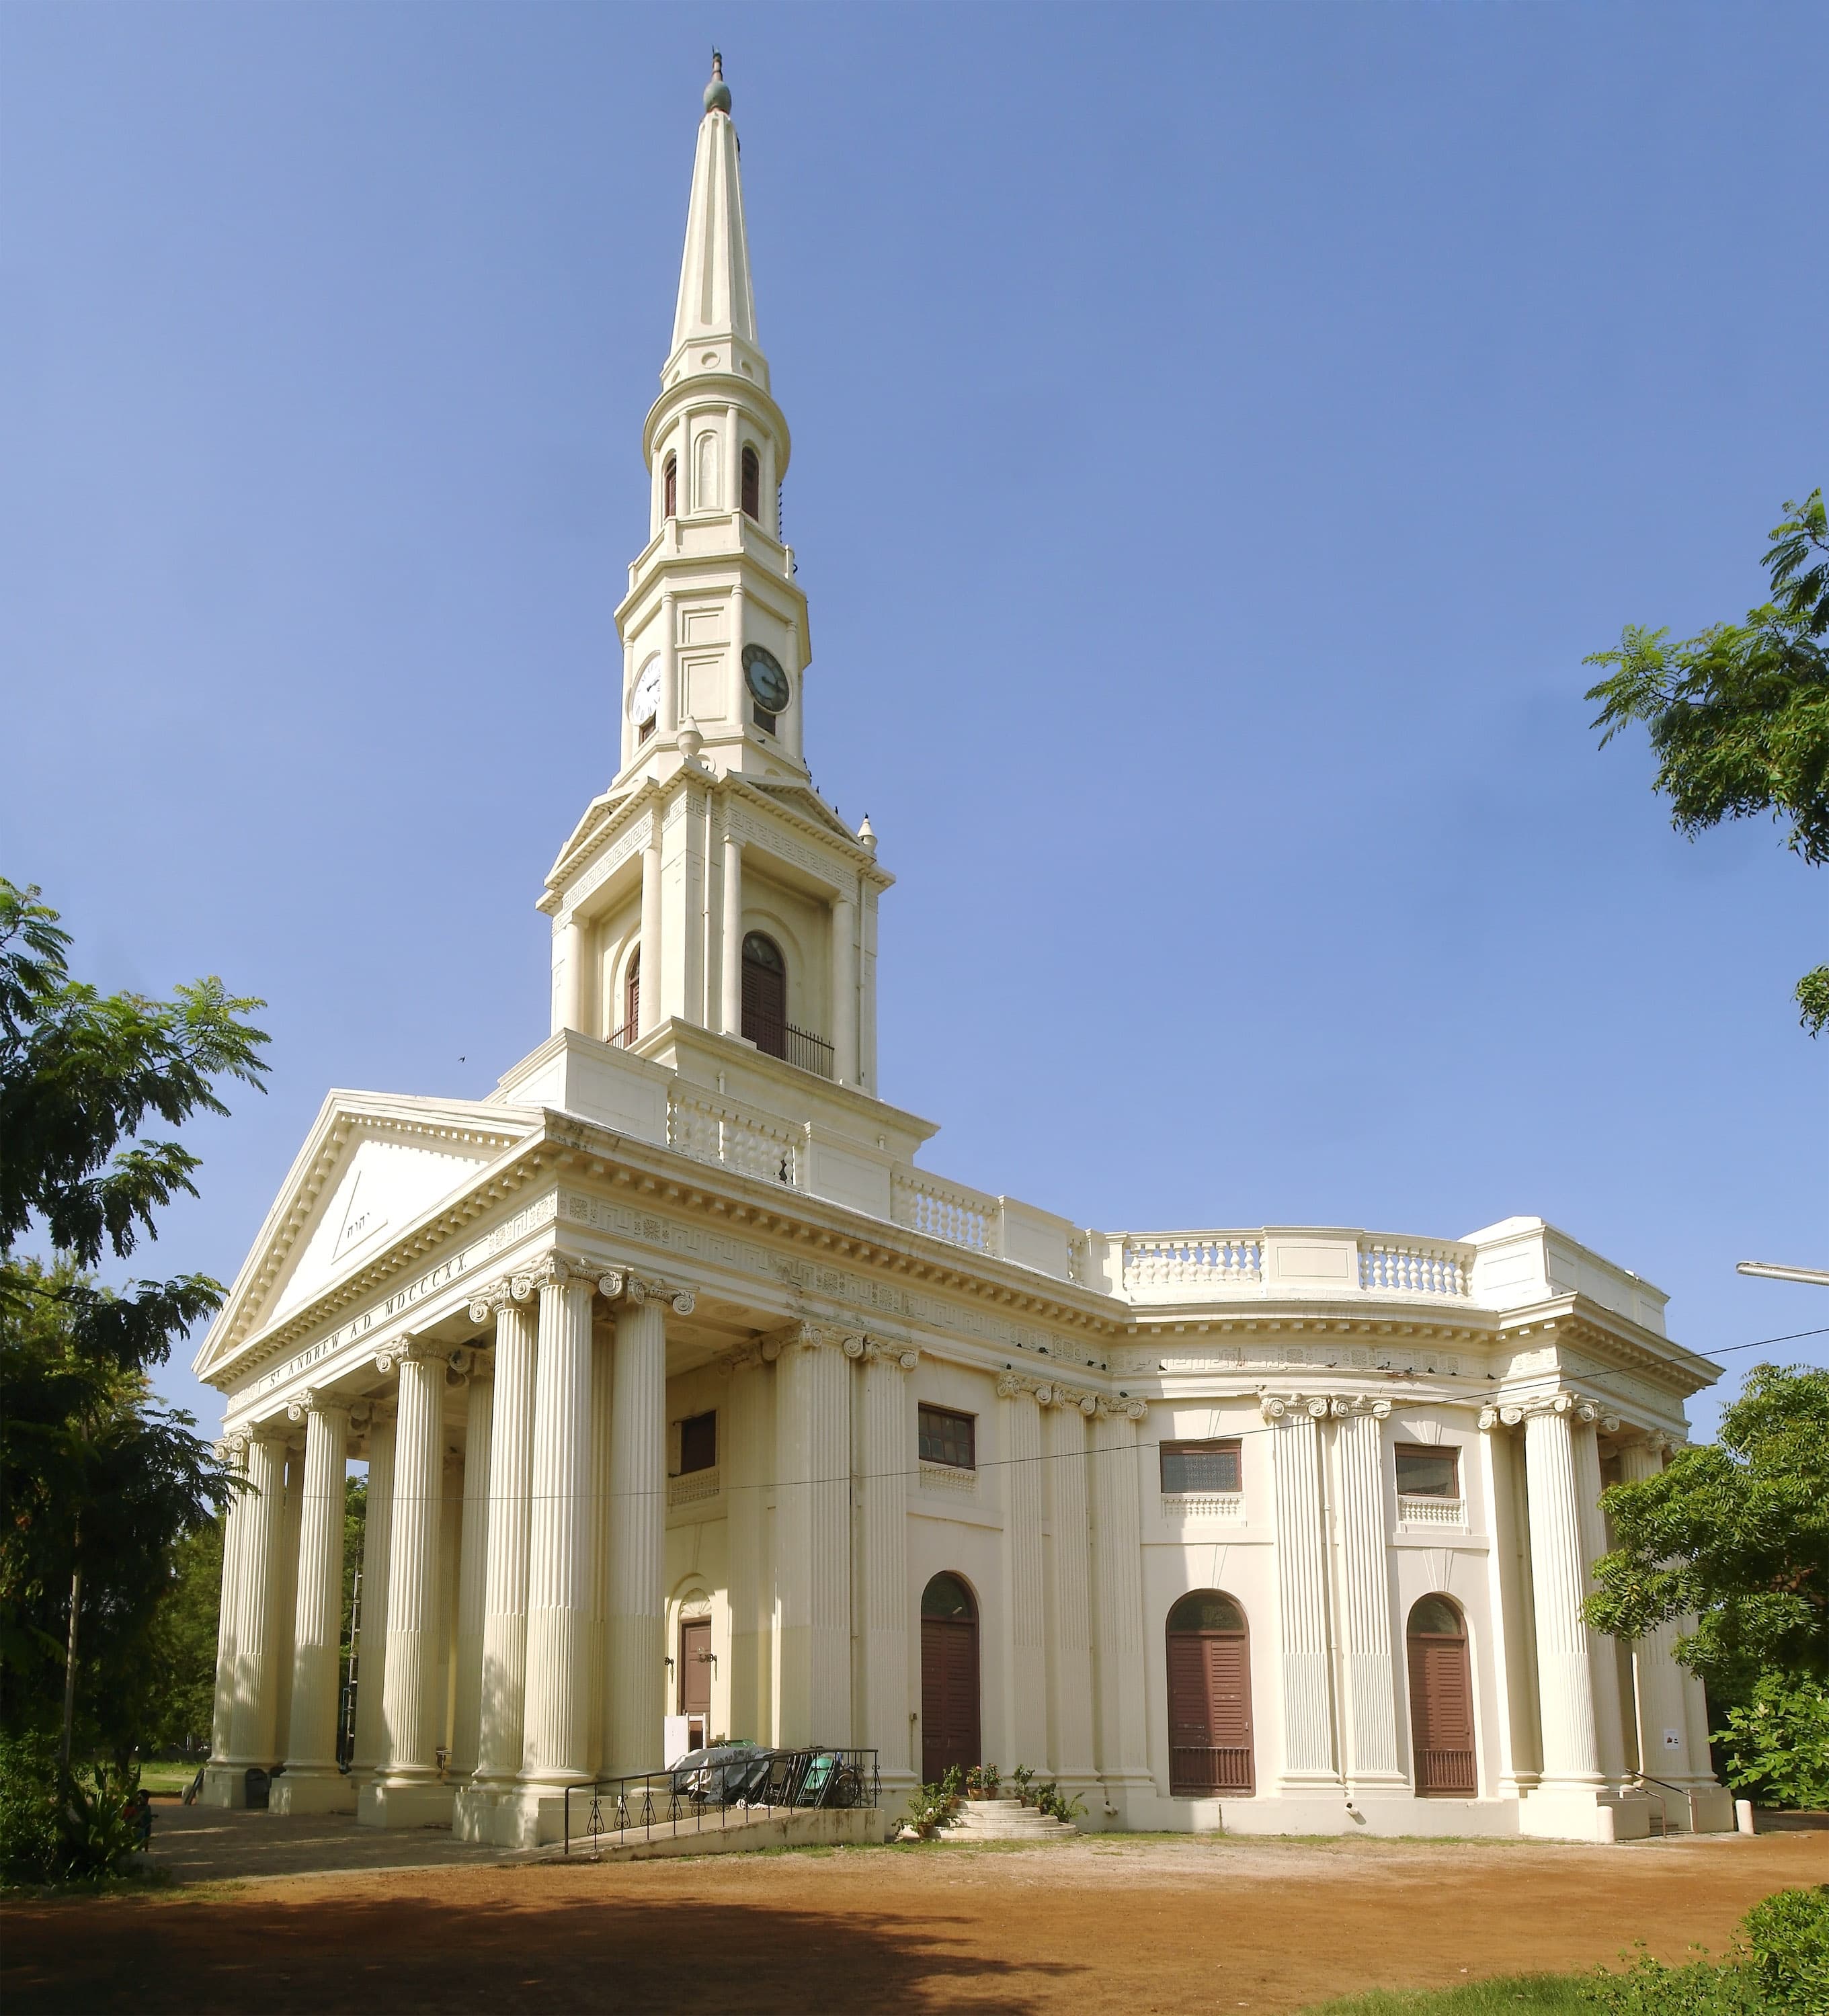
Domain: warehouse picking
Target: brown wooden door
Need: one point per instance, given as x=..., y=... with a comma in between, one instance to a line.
x=765, y=995
x=695, y=1666
x=1208, y=1712
x=949, y=1696
x=1442, y=1708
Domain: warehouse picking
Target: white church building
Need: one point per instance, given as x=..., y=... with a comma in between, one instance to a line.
x=695, y=1405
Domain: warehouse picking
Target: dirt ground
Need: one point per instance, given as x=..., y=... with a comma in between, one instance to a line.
x=1099, y=1925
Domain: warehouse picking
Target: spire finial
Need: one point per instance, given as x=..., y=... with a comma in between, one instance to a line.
x=717, y=93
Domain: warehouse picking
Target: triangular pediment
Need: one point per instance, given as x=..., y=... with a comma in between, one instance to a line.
x=804, y=800
x=370, y=1167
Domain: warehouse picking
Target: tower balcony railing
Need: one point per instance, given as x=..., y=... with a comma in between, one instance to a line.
x=798, y=1047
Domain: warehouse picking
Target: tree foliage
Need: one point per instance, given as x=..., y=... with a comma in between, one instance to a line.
x=98, y=1484
x=1738, y=716
x=1735, y=1534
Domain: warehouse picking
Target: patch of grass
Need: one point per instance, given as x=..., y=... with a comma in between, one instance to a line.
x=166, y=1777
x=1504, y=1995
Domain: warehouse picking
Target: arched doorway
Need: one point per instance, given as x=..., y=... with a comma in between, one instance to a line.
x=949, y=1679
x=765, y=994
x=1441, y=1700
x=1209, y=1697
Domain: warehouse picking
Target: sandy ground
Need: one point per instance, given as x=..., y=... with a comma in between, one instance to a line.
x=1098, y=1925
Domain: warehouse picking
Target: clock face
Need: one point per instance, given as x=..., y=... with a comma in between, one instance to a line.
x=644, y=696
x=767, y=683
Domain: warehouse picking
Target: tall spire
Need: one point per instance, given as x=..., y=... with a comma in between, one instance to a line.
x=714, y=324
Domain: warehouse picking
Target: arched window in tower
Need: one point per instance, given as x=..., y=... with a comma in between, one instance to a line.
x=670, y=487
x=765, y=994
x=751, y=485
x=705, y=474
x=631, y=1026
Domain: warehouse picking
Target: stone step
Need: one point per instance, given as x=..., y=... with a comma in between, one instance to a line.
x=1004, y=1820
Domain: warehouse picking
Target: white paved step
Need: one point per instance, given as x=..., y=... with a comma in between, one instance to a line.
x=1004, y=1820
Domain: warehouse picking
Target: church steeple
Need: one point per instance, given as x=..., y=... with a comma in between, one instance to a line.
x=711, y=911
x=714, y=626
x=714, y=321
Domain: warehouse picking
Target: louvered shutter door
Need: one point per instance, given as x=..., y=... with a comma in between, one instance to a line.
x=1441, y=1714
x=1208, y=1712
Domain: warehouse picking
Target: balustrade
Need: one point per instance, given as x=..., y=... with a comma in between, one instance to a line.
x=944, y=1211
x=1192, y=1259
x=1413, y=1267
x=712, y=1129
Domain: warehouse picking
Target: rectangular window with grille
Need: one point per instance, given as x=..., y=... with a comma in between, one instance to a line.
x=1200, y=1466
x=698, y=1444
x=1427, y=1473
x=948, y=1437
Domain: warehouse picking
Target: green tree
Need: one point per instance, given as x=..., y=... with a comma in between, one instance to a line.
x=1735, y=1534
x=97, y=1484
x=1738, y=716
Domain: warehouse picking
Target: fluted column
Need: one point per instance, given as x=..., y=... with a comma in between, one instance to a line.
x=889, y=1442
x=1565, y=1688
x=252, y=1737
x=602, y=1500
x=844, y=1008
x=1071, y=1753
x=310, y=1747
x=1301, y=1596
x=409, y=1689
x=371, y=1644
x=500, y=1738
x=744, y=1460
x=1371, y=1720
x=286, y=1597
x=637, y=1652
x=813, y=1496
x=557, y=1746
x=473, y=1572
x=730, y=955
x=222, y=1715
x=1663, y=1713
x=1604, y=1664
x=1117, y=1558
x=1025, y=1575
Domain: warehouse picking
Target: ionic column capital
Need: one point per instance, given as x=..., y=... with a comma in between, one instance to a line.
x=1075, y=1399
x=1127, y=1409
x=410, y=1350
x=802, y=1336
x=317, y=1400
x=620, y=1284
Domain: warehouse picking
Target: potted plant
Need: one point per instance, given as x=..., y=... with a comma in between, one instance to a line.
x=1023, y=1779
x=983, y=1781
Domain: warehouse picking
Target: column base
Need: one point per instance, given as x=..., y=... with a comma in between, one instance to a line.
x=1584, y=1813
x=404, y=1802
x=516, y=1816
x=297, y=1791
x=225, y=1785
x=1714, y=1807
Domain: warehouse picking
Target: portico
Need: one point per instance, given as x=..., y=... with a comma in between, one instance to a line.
x=688, y=1399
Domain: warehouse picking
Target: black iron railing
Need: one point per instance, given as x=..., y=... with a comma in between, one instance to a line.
x=799, y=1047
x=714, y=1798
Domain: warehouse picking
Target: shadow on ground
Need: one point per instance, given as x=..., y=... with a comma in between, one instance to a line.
x=414, y=1954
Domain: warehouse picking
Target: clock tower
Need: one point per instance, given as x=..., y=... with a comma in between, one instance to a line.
x=712, y=913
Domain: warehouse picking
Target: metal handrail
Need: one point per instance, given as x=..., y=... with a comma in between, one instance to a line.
x=673, y=1801
x=1687, y=1792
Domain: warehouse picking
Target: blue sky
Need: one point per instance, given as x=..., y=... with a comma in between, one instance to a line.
x=1220, y=432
